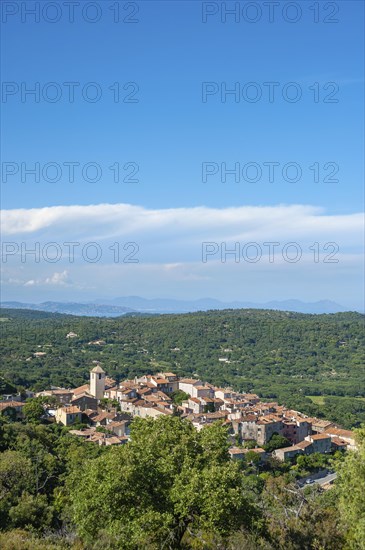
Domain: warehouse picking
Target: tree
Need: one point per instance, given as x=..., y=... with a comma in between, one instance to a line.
x=170, y=481
x=33, y=409
x=276, y=442
x=31, y=511
x=16, y=476
x=179, y=396
x=297, y=519
x=351, y=487
x=250, y=444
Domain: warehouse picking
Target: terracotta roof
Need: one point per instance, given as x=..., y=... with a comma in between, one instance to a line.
x=90, y=412
x=81, y=389
x=164, y=410
x=73, y=409
x=218, y=414
x=235, y=451
x=320, y=436
x=144, y=391
x=103, y=416
x=321, y=423
x=83, y=433
x=340, y=432
x=80, y=395
x=338, y=441
x=114, y=440
x=57, y=392
x=159, y=380
x=303, y=445
x=7, y=404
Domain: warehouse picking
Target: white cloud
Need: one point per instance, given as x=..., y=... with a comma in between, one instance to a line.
x=106, y=221
x=56, y=279
x=169, y=252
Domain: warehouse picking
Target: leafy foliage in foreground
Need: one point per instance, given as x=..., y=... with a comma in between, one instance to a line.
x=171, y=487
x=168, y=479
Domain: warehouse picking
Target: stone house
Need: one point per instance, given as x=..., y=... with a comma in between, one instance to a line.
x=85, y=401
x=321, y=443
x=187, y=384
x=67, y=415
x=266, y=428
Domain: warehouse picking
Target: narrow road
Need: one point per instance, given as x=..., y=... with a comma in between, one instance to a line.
x=320, y=481
x=327, y=479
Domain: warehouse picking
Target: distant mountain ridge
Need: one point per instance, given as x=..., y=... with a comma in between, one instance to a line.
x=165, y=305
x=136, y=304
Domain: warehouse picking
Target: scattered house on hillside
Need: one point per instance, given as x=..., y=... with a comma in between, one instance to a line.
x=338, y=444
x=120, y=428
x=187, y=384
x=193, y=405
x=321, y=443
x=223, y=393
x=288, y=453
x=201, y=390
x=346, y=435
x=319, y=425
x=296, y=429
x=252, y=398
x=102, y=418
x=85, y=401
x=68, y=414
x=236, y=453
x=163, y=384
x=13, y=409
x=71, y=335
x=16, y=396
x=267, y=426
x=100, y=438
x=62, y=396
x=246, y=427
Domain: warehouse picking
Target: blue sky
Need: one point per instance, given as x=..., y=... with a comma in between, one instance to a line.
x=169, y=133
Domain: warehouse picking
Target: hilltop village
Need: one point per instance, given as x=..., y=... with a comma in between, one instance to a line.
x=107, y=409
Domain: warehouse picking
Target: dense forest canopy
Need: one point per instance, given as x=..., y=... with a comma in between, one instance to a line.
x=279, y=355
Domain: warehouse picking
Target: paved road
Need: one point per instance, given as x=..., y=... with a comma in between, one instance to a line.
x=320, y=481
x=326, y=479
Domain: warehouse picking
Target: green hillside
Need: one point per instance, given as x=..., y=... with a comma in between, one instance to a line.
x=279, y=355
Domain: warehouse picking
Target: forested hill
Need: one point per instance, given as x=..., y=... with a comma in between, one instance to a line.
x=280, y=355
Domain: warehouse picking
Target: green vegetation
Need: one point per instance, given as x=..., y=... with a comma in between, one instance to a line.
x=179, y=396
x=279, y=355
x=352, y=482
x=276, y=442
x=170, y=487
x=317, y=399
